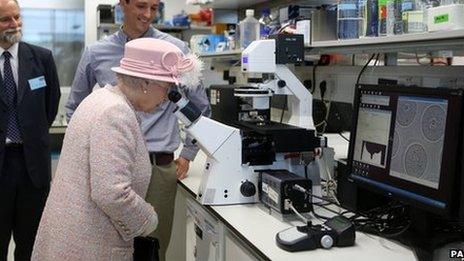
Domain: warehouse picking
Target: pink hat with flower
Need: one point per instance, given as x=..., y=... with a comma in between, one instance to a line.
x=159, y=60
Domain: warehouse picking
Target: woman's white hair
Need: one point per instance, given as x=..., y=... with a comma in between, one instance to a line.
x=132, y=81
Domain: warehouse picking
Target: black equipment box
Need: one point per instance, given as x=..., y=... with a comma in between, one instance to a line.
x=287, y=138
x=276, y=191
x=289, y=48
x=229, y=109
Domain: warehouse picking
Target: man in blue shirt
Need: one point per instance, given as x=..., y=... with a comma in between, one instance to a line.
x=160, y=128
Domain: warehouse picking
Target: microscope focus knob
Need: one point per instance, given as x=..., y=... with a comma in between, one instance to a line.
x=248, y=189
x=281, y=83
x=327, y=241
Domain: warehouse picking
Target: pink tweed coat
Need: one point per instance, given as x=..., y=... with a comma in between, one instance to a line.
x=96, y=204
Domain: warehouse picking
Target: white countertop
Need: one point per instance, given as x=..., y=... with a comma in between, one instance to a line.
x=259, y=228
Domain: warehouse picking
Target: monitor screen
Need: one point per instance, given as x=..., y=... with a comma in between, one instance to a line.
x=372, y=138
x=406, y=144
x=417, y=149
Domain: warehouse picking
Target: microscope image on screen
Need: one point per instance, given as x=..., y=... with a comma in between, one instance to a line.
x=418, y=140
x=372, y=136
x=374, y=149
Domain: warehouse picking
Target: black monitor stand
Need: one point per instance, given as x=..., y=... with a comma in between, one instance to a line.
x=426, y=234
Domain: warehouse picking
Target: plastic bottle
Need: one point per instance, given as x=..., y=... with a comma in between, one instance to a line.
x=413, y=16
x=264, y=22
x=372, y=18
x=400, y=5
x=249, y=29
x=426, y=5
x=231, y=38
x=351, y=18
x=118, y=14
x=390, y=17
x=382, y=17
x=394, y=17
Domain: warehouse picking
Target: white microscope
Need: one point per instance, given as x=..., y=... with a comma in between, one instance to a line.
x=236, y=153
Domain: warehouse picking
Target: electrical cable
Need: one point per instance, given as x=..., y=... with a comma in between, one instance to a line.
x=388, y=221
x=317, y=216
x=442, y=63
x=328, y=209
x=297, y=213
x=326, y=116
x=364, y=68
x=320, y=216
x=376, y=59
x=330, y=183
x=323, y=204
x=324, y=122
x=301, y=189
x=284, y=108
x=345, y=138
x=314, y=78
x=290, y=23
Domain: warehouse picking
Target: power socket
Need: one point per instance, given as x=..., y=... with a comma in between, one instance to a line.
x=448, y=82
x=460, y=83
x=410, y=80
x=331, y=86
x=431, y=82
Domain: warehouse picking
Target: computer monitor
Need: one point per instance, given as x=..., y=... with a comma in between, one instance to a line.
x=407, y=144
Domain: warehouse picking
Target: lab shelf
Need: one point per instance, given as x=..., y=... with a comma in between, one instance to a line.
x=443, y=40
x=164, y=28
x=233, y=54
x=199, y=27
x=232, y=4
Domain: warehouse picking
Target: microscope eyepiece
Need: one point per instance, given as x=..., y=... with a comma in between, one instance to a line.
x=174, y=96
x=186, y=111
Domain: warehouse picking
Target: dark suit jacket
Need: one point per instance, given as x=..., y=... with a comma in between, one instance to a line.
x=36, y=111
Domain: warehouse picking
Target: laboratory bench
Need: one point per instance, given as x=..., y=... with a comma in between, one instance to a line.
x=247, y=231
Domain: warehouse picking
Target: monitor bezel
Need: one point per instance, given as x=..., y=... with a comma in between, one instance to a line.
x=446, y=190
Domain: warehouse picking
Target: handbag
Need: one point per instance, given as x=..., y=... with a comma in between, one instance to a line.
x=146, y=249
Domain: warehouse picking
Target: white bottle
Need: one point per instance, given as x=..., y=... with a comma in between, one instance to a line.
x=249, y=29
x=390, y=17
x=118, y=14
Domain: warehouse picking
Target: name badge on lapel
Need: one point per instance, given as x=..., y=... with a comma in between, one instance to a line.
x=37, y=83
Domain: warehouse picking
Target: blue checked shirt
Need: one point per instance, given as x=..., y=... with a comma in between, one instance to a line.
x=160, y=128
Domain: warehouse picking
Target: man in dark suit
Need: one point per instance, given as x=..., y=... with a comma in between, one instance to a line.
x=29, y=97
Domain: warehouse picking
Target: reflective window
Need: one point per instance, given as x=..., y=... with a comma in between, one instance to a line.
x=60, y=30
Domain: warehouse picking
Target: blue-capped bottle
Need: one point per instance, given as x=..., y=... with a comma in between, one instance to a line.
x=264, y=22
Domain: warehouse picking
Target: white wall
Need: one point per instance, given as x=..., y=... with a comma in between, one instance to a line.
x=91, y=18
x=173, y=7
x=57, y=4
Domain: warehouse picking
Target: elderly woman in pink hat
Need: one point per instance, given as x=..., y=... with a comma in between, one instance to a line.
x=96, y=203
